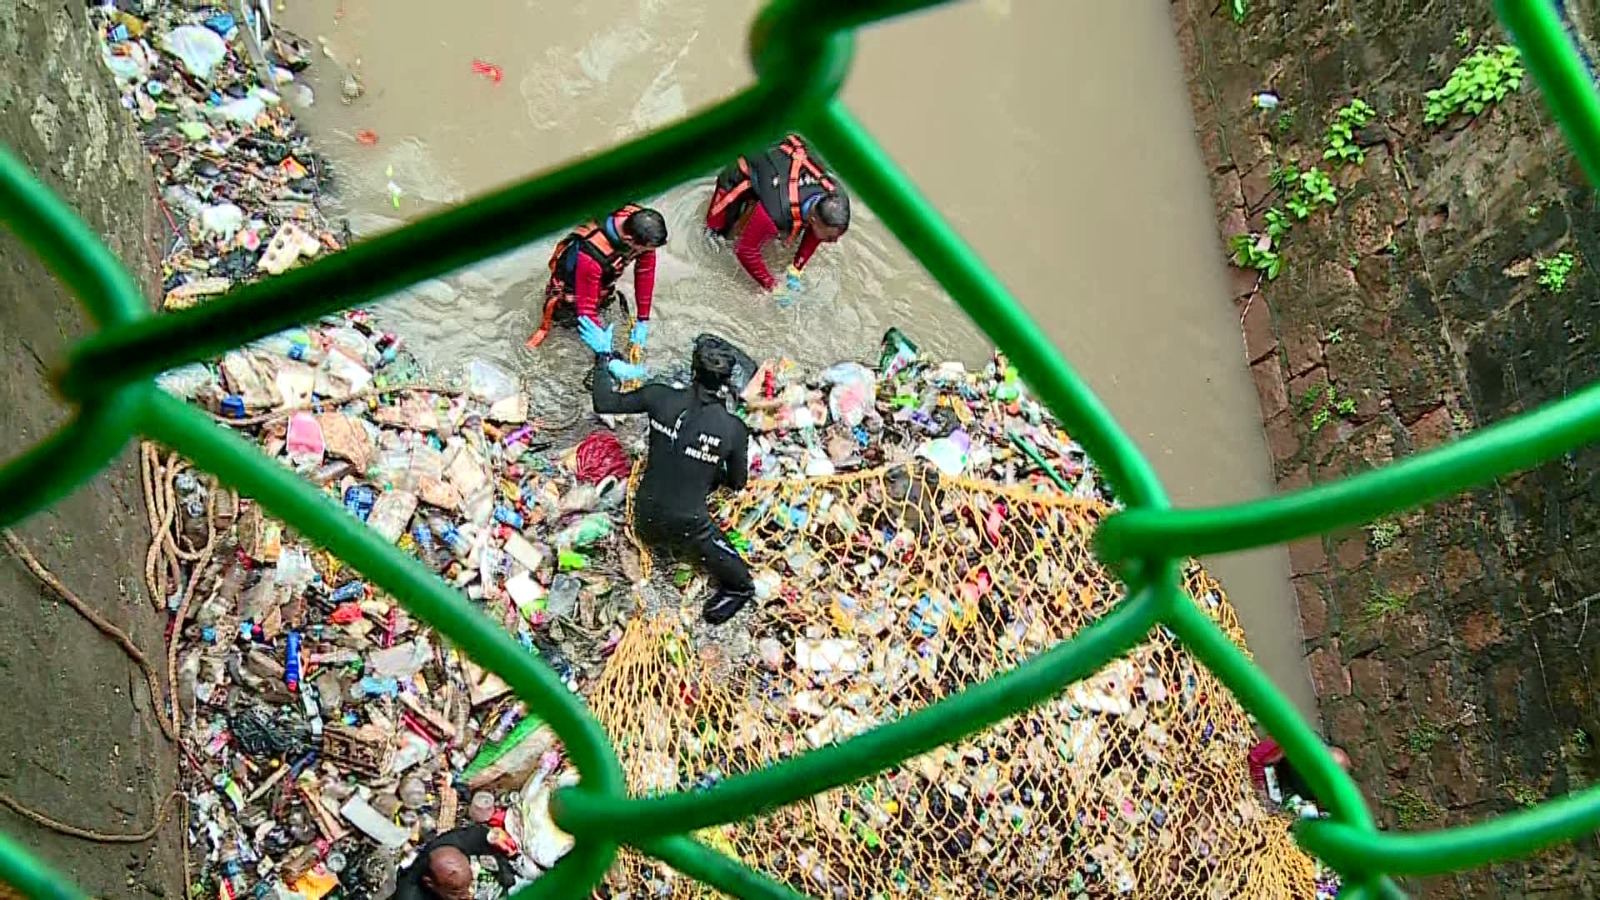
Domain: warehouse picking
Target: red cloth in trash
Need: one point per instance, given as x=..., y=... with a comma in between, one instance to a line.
x=1263, y=754
x=600, y=456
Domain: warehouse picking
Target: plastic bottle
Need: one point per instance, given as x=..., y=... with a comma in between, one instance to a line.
x=188, y=682
x=391, y=512
x=413, y=792
x=455, y=540
x=233, y=884
x=359, y=498
x=331, y=471
x=481, y=809
x=308, y=702
x=191, y=494
x=350, y=590
x=898, y=353
x=308, y=352
x=294, y=570
x=427, y=548
x=291, y=661
x=505, y=515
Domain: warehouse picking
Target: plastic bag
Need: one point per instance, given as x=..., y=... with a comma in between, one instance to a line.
x=305, y=443
x=852, y=396
x=185, y=381
x=127, y=65
x=222, y=219
x=948, y=454
x=400, y=661
x=489, y=382
x=200, y=49
x=294, y=569
x=242, y=111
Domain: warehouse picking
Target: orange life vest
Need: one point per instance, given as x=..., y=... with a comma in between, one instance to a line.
x=783, y=179
x=593, y=240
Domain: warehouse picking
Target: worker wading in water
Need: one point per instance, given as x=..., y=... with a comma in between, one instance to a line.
x=784, y=194
x=695, y=445
x=586, y=265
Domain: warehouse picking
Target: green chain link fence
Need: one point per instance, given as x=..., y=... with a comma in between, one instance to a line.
x=801, y=51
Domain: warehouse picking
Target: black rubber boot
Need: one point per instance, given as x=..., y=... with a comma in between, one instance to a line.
x=723, y=606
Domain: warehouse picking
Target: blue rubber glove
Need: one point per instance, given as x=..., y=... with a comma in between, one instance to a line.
x=598, y=339
x=793, y=283
x=626, y=371
x=640, y=333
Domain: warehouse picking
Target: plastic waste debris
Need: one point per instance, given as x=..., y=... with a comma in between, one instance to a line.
x=200, y=49
x=489, y=382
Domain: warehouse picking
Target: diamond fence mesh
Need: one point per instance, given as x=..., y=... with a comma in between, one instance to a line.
x=800, y=51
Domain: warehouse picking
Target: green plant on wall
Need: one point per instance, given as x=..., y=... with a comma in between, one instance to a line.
x=1324, y=402
x=1412, y=809
x=1347, y=120
x=1384, y=533
x=1484, y=78
x=1553, y=271
x=1421, y=738
x=1278, y=223
x=1285, y=121
x=1522, y=794
x=1238, y=9
x=1256, y=252
x=1260, y=251
x=1304, y=192
x=1380, y=605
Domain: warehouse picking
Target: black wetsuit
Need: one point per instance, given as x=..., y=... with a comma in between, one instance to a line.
x=473, y=840
x=695, y=443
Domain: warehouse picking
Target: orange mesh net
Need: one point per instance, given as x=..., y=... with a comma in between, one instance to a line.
x=887, y=590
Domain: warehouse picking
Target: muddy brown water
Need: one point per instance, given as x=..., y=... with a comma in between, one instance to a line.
x=1055, y=136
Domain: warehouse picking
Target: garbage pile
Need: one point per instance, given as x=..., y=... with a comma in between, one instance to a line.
x=931, y=530
x=324, y=732
x=239, y=182
x=852, y=416
x=327, y=733
x=1131, y=783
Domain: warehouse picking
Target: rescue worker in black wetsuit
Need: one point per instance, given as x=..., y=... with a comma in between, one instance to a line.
x=695, y=444
x=443, y=868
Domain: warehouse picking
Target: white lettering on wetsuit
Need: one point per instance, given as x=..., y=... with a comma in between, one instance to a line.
x=707, y=444
x=704, y=452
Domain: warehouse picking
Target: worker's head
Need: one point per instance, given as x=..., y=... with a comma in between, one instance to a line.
x=713, y=365
x=830, y=218
x=1340, y=757
x=645, y=230
x=449, y=874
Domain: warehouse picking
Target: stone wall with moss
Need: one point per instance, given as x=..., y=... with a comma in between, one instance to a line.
x=1445, y=276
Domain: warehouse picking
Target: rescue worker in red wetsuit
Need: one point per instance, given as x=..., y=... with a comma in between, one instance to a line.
x=782, y=194
x=586, y=265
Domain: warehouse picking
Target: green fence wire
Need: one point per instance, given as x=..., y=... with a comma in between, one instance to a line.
x=801, y=51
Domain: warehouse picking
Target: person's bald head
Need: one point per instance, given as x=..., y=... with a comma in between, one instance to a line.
x=449, y=874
